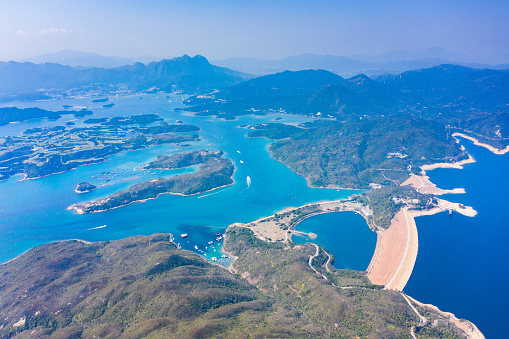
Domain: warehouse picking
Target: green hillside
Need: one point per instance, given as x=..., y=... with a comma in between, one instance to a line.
x=144, y=287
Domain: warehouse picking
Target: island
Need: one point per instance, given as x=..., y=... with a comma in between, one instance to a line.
x=181, y=160
x=44, y=151
x=14, y=114
x=101, y=100
x=214, y=172
x=143, y=119
x=95, y=120
x=84, y=187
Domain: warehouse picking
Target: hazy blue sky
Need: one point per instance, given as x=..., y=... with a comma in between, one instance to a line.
x=256, y=28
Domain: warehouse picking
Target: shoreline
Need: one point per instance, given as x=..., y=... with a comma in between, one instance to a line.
x=269, y=229
x=478, y=143
x=457, y=165
x=467, y=326
x=80, y=211
x=401, y=269
x=55, y=241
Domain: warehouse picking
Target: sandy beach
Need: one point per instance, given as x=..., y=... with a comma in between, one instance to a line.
x=477, y=143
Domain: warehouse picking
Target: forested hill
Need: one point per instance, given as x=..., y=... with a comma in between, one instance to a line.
x=188, y=74
x=454, y=95
x=144, y=287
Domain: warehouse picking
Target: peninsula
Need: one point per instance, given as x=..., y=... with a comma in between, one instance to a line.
x=214, y=172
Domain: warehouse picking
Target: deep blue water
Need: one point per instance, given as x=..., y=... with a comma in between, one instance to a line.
x=33, y=212
x=462, y=264
x=344, y=234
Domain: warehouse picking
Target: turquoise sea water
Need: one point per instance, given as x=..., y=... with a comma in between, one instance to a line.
x=33, y=212
x=462, y=264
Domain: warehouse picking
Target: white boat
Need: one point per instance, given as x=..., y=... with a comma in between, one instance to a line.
x=195, y=247
x=184, y=235
x=248, y=181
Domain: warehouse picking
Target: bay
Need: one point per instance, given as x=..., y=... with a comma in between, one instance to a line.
x=33, y=212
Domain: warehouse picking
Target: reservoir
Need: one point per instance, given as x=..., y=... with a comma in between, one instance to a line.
x=462, y=264
x=345, y=235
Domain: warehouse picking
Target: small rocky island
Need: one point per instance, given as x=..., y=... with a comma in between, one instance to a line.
x=84, y=187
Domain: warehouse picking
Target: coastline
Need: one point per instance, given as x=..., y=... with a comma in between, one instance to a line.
x=395, y=254
x=458, y=165
x=402, y=262
x=80, y=211
x=280, y=225
x=471, y=331
x=16, y=257
x=478, y=143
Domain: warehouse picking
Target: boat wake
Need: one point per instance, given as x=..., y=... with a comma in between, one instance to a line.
x=207, y=195
x=95, y=228
x=248, y=183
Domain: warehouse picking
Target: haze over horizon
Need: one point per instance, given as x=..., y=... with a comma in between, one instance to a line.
x=258, y=29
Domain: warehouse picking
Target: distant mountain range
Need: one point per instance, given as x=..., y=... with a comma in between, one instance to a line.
x=389, y=62
x=69, y=57
x=39, y=81
x=371, y=65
